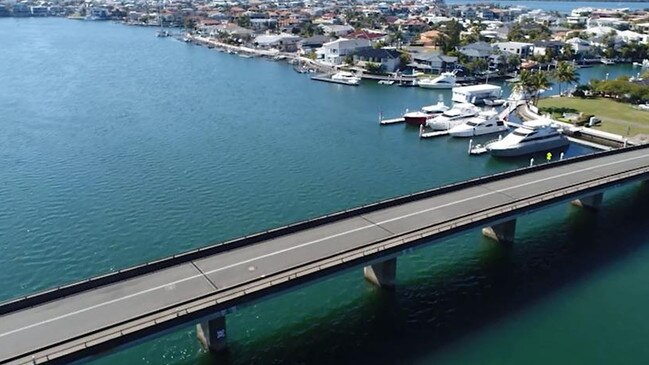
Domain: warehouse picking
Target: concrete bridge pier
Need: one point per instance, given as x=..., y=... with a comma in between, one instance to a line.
x=502, y=232
x=590, y=202
x=211, y=334
x=382, y=274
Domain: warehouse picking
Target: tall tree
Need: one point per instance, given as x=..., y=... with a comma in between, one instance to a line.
x=531, y=84
x=539, y=82
x=565, y=73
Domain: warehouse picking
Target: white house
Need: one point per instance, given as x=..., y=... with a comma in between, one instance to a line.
x=334, y=52
x=579, y=45
x=576, y=20
x=607, y=22
x=631, y=36
x=336, y=29
x=284, y=42
x=521, y=49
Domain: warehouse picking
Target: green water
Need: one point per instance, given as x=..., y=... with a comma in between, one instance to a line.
x=118, y=147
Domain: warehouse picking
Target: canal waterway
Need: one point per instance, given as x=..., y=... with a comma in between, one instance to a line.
x=118, y=147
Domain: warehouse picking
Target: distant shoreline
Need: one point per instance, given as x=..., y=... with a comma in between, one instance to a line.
x=621, y=3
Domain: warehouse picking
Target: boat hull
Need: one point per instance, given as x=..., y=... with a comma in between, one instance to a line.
x=436, y=86
x=475, y=132
x=416, y=121
x=446, y=125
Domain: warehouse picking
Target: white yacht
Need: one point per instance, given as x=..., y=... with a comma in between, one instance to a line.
x=425, y=114
x=454, y=116
x=527, y=140
x=446, y=80
x=345, y=77
x=486, y=122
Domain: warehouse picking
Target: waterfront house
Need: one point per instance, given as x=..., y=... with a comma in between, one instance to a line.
x=522, y=49
x=477, y=50
x=283, y=42
x=432, y=62
x=334, y=52
x=541, y=48
x=388, y=59
x=98, y=13
x=311, y=44
x=39, y=11
x=579, y=46
x=229, y=29
x=21, y=10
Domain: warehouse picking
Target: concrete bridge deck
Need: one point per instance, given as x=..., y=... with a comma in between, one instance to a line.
x=87, y=318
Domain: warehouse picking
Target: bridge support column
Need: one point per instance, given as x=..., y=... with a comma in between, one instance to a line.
x=211, y=334
x=501, y=232
x=382, y=274
x=590, y=202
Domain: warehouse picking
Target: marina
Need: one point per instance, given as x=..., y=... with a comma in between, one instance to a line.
x=143, y=172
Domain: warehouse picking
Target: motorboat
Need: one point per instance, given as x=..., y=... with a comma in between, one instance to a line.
x=446, y=80
x=425, y=114
x=486, y=122
x=345, y=77
x=452, y=117
x=162, y=34
x=408, y=83
x=494, y=102
x=528, y=139
x=607, y=61
x=386, y=82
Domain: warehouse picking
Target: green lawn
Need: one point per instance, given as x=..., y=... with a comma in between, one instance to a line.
x=619, y=118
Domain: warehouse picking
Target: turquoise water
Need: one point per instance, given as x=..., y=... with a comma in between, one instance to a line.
x=119, y=147
x=560, y=6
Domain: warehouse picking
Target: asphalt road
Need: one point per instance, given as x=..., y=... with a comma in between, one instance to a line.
x=104, y=311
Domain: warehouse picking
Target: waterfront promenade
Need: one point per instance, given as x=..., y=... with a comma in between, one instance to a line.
x=90, y=317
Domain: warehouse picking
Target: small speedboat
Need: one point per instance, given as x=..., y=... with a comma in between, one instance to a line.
x=386, y=82
x=344, y=77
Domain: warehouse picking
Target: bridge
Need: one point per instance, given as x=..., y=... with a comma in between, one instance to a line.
x=88, y=318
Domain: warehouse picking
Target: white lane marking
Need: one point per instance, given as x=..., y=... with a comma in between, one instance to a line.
x=315, y=241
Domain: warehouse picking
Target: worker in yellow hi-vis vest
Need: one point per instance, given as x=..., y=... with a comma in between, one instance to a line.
x=548, y=156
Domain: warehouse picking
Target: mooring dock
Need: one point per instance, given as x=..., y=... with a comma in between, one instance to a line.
x=392, y=121
x=423, y=133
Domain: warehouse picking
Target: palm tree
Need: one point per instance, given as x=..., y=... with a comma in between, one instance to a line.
x=532, y=83
x=565, y=73
x=539, y=82
x=522, y=85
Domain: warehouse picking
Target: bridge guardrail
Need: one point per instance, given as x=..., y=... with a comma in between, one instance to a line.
x=47, y=295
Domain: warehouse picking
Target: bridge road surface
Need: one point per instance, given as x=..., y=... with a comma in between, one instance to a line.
x=76, y=324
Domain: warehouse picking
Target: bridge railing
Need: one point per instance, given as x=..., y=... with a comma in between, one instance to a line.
x=41, y=297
